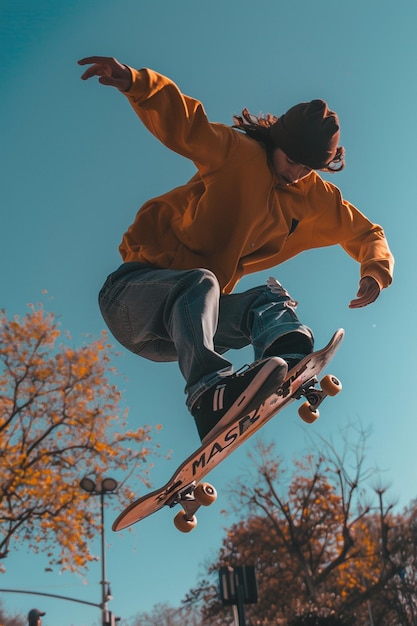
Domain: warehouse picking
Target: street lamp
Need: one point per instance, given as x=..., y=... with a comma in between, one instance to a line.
x=106, y=486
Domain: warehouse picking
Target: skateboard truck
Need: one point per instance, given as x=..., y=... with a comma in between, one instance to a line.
x=191, y=497
x=186, y=494
x=329, y=386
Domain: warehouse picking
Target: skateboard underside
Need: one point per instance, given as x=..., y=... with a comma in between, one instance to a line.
x=185, y=487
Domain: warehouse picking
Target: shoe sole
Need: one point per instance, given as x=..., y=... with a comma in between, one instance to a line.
x=265, y=383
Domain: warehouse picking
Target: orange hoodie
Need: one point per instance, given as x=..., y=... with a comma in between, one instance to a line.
x=232, y=217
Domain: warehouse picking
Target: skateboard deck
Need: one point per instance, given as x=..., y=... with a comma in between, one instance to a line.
x=184, y=487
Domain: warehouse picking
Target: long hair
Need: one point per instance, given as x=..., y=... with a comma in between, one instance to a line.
x=258, y=128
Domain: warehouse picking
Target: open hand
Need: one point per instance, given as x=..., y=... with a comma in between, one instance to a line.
x=368, y=292
x=109, y=71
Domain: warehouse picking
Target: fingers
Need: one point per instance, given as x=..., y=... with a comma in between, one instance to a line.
x=109, y=71
x=94, y=70
x=100, y=66
x=94, y=59
x=362, y=301
x=369, y=291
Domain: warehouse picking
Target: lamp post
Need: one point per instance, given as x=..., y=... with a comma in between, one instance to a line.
x=106, y=486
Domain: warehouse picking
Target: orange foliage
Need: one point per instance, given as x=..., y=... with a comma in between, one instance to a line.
x=58, y=414
x=313, y=538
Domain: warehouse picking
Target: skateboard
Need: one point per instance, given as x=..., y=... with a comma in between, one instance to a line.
x=185, y=487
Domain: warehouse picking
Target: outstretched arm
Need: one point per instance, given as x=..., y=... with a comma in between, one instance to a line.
x=177, y=120
x=368, y=292
x=109, y=71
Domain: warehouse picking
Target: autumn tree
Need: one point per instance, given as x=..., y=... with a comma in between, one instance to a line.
x=323, y=541
x=59, y=421
x=398, y=600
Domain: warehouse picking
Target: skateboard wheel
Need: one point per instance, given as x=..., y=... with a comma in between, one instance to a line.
x=331, y=385
x=183, y=524
x=308, y=414
x=205, y=494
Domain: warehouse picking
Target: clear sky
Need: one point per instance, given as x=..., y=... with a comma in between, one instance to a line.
x=76, y=164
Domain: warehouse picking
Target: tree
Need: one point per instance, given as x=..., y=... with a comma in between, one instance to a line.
x=10, y=620
x=321, y=543
x=164, y=615
x=58, y=410
x=398, y=601
x=313, y=619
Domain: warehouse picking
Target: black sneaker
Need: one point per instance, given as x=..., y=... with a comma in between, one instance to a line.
x=239, y=392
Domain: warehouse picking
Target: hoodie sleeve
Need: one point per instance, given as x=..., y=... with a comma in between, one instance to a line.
x=340, y=222
x=180, y=122
x=369, y=247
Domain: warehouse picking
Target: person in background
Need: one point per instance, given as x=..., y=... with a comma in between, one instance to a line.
x=34, y=617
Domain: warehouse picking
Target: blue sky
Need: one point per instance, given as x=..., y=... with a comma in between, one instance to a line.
x=77, y=164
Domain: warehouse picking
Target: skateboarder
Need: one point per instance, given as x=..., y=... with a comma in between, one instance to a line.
x=255, y=200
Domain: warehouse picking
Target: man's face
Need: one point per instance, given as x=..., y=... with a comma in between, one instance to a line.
x=286, y=170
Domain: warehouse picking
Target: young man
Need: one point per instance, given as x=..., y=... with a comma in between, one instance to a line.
x=255, y=201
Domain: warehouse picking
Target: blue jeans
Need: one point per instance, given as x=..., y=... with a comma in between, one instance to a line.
x=180, y=315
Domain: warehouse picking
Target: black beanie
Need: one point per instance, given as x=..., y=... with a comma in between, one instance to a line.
x=308, y=133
